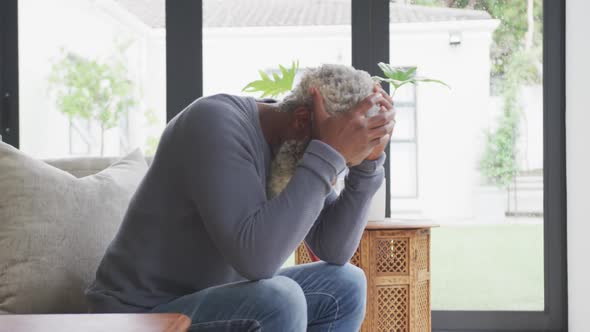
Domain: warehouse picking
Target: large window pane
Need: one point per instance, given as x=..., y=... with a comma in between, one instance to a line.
x=478, y=147
x=92, y=76
x=242, y=37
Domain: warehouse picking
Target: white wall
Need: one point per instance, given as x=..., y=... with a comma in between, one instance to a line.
x=578, y=162
x=233, y=56
x=442, y=113
x=450, y=122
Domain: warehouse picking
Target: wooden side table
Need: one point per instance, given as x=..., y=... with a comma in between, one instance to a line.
x=95, y=323
x=395, y=256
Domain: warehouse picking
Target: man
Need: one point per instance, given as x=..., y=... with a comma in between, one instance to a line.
x=235, y=186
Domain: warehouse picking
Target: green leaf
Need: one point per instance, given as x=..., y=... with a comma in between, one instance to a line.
x=280, y=83
x=400, y=76
x=397, y=73
x=395, y=83
x=411, y=71
x=263, y=75
x=430, y=80
x=93, y=90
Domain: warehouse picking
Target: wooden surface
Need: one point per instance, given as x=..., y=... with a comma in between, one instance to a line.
x=398, y=277
x=95, y=323
x=400, y=224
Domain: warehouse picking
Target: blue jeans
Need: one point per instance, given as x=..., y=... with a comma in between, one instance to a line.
x=312, y=297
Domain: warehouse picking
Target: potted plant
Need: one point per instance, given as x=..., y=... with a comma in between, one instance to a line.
x=282, y=83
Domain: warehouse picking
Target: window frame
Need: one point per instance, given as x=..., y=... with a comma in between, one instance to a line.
x=9, y=128
x=554, y=315
x=370, y=31
x=370, y=45
x=184, y=54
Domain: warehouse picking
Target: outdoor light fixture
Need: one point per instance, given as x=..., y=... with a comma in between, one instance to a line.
x=455, y=38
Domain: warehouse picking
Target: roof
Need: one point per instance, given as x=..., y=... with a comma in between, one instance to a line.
x=255, y=13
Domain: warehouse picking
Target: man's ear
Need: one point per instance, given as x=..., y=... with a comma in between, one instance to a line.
x=302, y=122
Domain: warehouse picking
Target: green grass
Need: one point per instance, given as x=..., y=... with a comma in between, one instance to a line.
x=488, y=267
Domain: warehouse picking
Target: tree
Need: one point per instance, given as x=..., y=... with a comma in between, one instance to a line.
x=498, y=162
x=151, y=142
x=516, y=56
x=517, y=20
x=93, y=90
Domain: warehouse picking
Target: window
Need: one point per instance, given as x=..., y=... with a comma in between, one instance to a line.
x=92, y=76
x=525, y=292
x=480, y=156
x=242, y=37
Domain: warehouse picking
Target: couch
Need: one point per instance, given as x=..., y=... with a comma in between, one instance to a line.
x=57, y=218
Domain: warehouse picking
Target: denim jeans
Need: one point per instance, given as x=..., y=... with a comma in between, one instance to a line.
x=312, y=297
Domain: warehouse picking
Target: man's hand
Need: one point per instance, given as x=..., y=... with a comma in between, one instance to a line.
x=386, y=118
x=351, y=134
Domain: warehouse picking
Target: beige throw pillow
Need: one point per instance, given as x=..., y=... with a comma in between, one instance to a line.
x=54, y=229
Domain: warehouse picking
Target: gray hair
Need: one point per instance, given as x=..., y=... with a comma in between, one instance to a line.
x=342, y=87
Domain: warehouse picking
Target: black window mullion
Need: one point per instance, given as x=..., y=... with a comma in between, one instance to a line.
x=370, y=45
x=184, y=54
x=554, y=180
x=9, y=72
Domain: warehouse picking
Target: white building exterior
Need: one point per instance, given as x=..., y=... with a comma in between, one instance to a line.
x=449, y=125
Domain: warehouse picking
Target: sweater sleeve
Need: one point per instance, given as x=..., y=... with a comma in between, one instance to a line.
x=339, y=228
x=253, y=234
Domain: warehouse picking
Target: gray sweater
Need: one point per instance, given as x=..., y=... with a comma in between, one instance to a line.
x=201, y=217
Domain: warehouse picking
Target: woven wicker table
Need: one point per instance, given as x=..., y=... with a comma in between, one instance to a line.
x=395, y=256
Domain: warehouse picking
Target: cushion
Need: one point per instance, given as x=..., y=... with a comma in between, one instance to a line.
x=84, y=166
x=81, y=166
x=55, y=228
